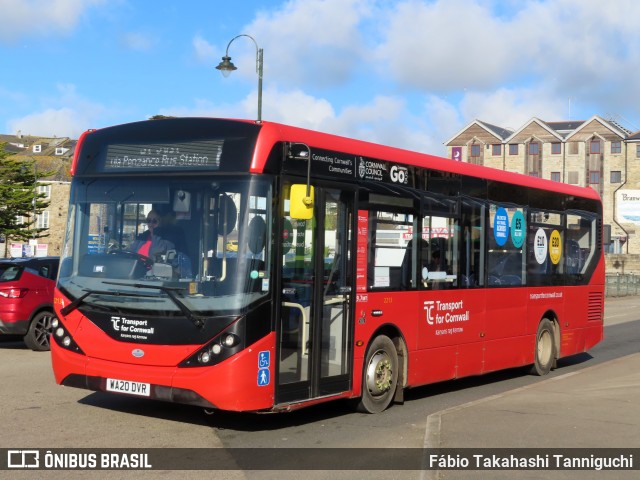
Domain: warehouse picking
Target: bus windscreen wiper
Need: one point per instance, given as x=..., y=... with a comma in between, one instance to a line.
x=170, y=291
x=80, y=300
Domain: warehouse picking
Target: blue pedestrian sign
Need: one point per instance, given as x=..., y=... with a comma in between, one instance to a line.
x=263, y=377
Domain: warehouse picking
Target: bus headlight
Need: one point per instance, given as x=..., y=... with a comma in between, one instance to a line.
x=226, y=344
x=230, y=340
x=205, y=357
x=63, y=338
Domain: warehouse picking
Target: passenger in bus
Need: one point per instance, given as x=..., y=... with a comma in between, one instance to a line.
x=149, y=243
x=168, y=230
x=438, y=264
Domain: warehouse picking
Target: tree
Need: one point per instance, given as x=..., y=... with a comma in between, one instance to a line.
x=20, y=201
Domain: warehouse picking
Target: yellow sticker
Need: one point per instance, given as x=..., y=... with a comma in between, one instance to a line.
x=555, y=247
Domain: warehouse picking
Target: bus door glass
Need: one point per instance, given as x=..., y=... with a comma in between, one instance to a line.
x=314, y=328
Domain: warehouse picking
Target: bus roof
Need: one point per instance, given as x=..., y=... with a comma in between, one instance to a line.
x=268, y=134
x=275, y=132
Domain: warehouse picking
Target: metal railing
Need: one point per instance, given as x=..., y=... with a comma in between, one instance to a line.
x=621, y=285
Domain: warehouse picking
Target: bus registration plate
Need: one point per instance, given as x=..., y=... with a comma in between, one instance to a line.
x=125, y=386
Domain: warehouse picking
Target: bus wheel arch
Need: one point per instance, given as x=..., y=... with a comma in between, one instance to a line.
x=383, y=371
x=546, y=347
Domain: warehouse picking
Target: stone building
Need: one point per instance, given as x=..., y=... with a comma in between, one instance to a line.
x=52, y=156
x=596, y=153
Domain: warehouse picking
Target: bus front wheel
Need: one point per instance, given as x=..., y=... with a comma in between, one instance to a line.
x=380, y=376
x=545, y=353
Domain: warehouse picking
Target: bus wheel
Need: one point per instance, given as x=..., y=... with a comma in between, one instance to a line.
x=545, y=354
x=380, y=376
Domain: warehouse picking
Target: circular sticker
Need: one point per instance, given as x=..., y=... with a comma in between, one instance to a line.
x=540, y=246
x=501, y=226
x=555, y=247
x=517, y=229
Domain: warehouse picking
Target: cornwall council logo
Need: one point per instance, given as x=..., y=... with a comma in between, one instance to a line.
x=362, y=169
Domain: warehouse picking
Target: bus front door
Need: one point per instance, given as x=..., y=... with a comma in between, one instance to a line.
x=315, y=330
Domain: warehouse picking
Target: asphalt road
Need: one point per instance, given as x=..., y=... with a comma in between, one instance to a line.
x=36, y=413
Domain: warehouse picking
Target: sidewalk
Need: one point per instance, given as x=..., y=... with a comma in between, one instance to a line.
x=598, y=407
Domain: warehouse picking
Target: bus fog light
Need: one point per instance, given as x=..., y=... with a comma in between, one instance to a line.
x=216, y=349
x=54, y=323
x=66, y=341
x=59, y=332
x=205, y=357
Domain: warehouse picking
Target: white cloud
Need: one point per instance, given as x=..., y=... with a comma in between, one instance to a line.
x=313, y=43
x=512, y=107
x=517, y=60
x=138, y=41
x=67, y=114
x=205, y=52
x=21, y=18
x=448, y=45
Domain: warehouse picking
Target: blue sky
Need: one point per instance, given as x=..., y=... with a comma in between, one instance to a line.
x=409, y=73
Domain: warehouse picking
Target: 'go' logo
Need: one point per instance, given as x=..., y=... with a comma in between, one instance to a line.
x=399, y=174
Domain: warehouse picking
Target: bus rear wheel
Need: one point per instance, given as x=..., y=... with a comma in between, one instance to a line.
x=545, y=353
x=380, y=376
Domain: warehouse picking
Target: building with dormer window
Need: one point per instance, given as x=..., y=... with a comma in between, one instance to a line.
x=596, y=153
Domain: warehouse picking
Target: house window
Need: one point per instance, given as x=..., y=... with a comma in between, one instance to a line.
x=616, y=147
x=475, y=151
x=573, y=178
x=594, y=177
x=555, y=176
x=37, y=148
x=534, y=148
x=638, y=151
x=556, y=148
x=42, y=220
x=496, y=150
x=574, y=148
x=594, y=147
x=513, y=149
x=44, y=190
x=616, y=176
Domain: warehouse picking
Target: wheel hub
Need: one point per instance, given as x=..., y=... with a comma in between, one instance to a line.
x=379, y=374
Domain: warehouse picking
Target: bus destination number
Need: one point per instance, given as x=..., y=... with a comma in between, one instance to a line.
x=125, y=386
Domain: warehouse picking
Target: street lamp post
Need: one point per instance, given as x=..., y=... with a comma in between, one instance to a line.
x=226, y=67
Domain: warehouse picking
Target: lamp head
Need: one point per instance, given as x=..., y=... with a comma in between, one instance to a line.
x=226, y=66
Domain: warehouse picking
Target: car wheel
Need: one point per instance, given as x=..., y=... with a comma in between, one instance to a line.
x=37, y=337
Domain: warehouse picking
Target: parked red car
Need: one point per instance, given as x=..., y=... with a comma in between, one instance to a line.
x=26, y=298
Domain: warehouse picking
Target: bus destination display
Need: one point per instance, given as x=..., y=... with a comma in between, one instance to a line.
x=179, y=156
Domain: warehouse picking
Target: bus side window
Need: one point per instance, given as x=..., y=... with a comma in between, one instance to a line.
x=390, y=237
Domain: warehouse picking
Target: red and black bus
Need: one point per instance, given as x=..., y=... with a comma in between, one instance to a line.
x=297, y=267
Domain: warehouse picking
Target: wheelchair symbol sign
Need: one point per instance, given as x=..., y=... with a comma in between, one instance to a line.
x=264, y=359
